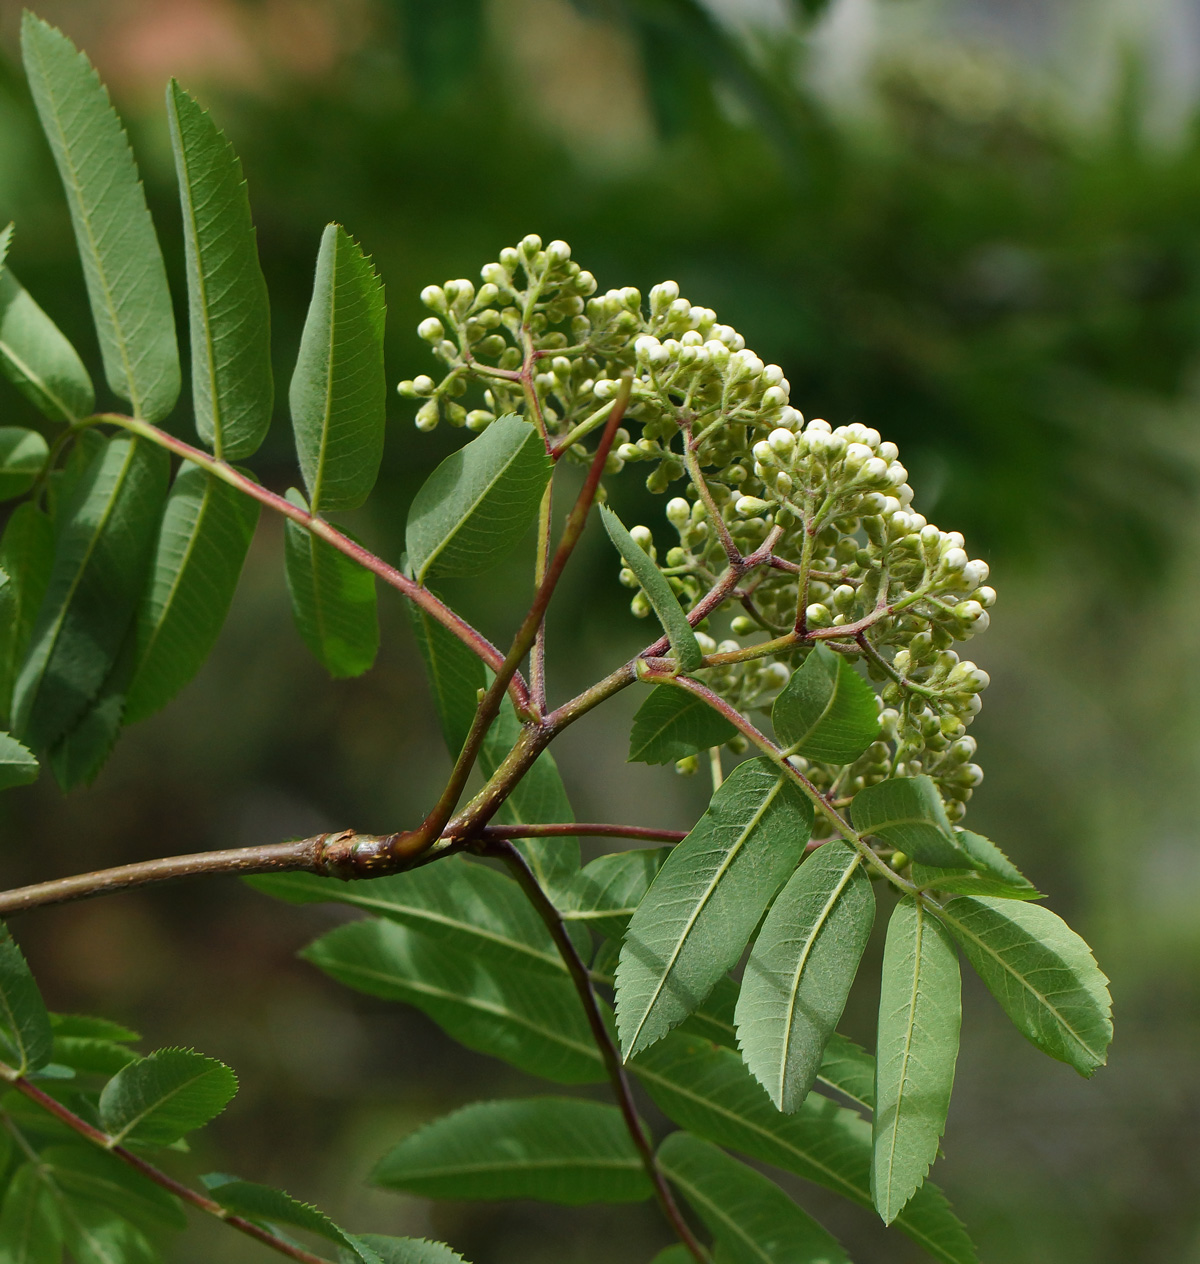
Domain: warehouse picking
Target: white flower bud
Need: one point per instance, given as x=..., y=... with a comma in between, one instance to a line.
x=986, y=597
x=968, y=611
x=629, y=452
x=664, y=292
x=431, y=329
x=783, y=483
x=818, y=616
x=585, y=283
x=843, y=597
x=792, y=418
x=764, y=453
x=772, y=375
x=905, y=494
x=728, y=647
x=494, y=274
x=974, y=573
x=530, y=244
x=487, y=295
x=427, y=416
x=751, y=506
x=930, y=535
x=875, y=469
x=897, y=474
x=691, y=339
x=857, y=454
x=954, y=559
x=740, y=625
x=407, y=389
x=873, y=503
x=433, y=296
x=888, y=451
x=706, y=643
x=818, y=424
x=774, y=397
x=558, y=252
x=605, y=388
x=775, y=676
x=479, y=419
x=642, y=536
x=631, y=298
x=679, y=511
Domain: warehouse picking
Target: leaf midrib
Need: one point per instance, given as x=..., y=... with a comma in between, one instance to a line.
x=904, y=1060
x=701, y=904
x=159, y=1103
x=36, y=379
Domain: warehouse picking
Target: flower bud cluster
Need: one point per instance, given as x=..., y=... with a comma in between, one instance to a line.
x=852, y=561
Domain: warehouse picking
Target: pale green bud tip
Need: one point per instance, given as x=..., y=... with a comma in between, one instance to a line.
x=687, y=766
x=678, y=511
x=642, y=536
x=558, y=252
x=818, y=616
x=751, y=506
x=530, y=244
x=479, y=419
x=427, y=416
x=433, y=296
x=430, y=329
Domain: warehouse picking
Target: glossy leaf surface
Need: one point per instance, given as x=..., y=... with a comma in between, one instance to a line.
x=826, y=711
x=22, y=455
x=672, y=724
x=478, y=504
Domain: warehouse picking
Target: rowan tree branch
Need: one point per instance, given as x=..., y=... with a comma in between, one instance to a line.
x=623, y=1091
x=183, y=1192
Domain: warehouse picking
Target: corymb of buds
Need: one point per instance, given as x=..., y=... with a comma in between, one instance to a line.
x=832, y=505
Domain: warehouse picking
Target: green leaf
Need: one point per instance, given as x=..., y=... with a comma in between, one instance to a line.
x=37, y=359
x=707, y=899
x=86, y=1025
x=25, y=1034
x=800, y=971
x=338, y=388
x=22, y=455
x=265, y=1205
x=920, y=1011
x=846, y=1067
x=908, y=813
x=672, y=724
x=606, y=893
x=89, y=1173
x=538, y=798
x=710, y=1092
x=474, y=508
x=677, y=1254
x=408, y=1250
x=122, y=263
x=455, y=672
x=532, y=1021
x=555, y=1149
x=1041, y=972
x=333, y=601
x=27, y=557
x=90, y=1055
x=94, y=1235
x=827, y=711
x=658, y=592
x=995, y=873
x=751, y=1218
x=202, y=542
x=18, y=767
x=232, y=390
x=469, y=907
x=104, y=542
x=159, y=1099
x=30, y=1225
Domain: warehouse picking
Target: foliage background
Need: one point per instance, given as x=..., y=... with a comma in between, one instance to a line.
x=974, y=226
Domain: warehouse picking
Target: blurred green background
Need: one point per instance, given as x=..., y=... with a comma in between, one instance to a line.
x=973, y=225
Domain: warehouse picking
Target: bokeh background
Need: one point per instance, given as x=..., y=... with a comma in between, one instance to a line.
x=973, y=224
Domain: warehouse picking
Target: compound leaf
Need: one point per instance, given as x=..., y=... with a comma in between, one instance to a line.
x=25, y=1033
x=202, y=542
x=658, y=592
x=122, y=262
x=37, y=358
x=751, y=1218
x=672, y=724
x=95, y=1235
x=333, y=601
x=555, y=1149
x=800, y=971
x=22, y=455
x=104, y=542
x=606, y=893
x=920, y=1011
x=1041, y=972
x=706, y=900
x=908, y=813
x=709, y=1091
x=338, y=389
x=160, y=1098
x=230, y=317
x=18, y=767
x=827, y=711
x=471, y=908
x=474, y=508
x=532, y=1021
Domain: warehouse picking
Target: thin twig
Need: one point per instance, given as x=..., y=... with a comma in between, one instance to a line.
x=183, y=1192
x=417, y=593
x=622, y=1089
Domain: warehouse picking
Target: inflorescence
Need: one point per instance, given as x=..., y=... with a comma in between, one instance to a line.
x=848, y=549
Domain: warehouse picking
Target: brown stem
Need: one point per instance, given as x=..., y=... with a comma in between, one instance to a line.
x=622, y=1089
x=421, y=595
x=436, y=821
x=104, y=1142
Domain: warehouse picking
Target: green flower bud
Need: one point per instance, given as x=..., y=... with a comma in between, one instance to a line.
x=434, y=297
x=431, y=329
x=427, y=416
x=749, y=506
x=479, y=419
x=741, y=625
x=687, y=766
